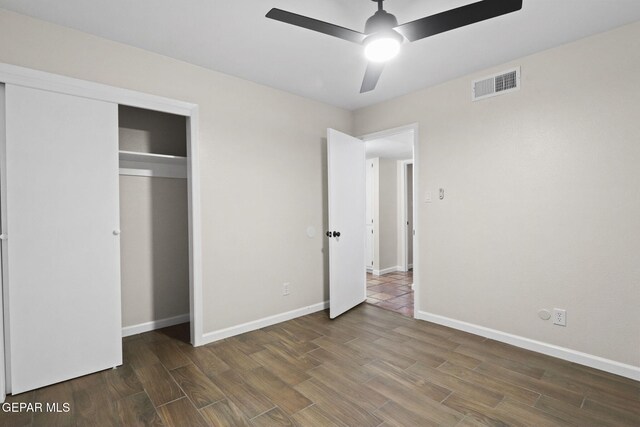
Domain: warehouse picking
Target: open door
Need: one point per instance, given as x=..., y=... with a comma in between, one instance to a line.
x=346, y=187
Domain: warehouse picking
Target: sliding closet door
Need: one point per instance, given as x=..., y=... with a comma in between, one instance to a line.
x=63, y=272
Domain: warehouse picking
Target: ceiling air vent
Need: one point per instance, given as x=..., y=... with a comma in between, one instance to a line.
x=498, y=84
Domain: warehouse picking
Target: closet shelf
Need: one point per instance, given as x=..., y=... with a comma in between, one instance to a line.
x=155, y=165
x=135, y=156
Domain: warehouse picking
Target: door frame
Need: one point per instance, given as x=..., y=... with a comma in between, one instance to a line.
x=3, y=383
x=416, y=190
x=369, y=200
x=12, y=74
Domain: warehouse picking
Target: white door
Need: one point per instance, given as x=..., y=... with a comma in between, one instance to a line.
x=62, y=275
x=346, y=176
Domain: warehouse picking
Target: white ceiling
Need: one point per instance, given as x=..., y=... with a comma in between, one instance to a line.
x=397, y=147
x=235, y=38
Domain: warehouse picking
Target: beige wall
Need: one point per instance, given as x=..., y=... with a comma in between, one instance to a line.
x=542, y=205
x=154, y=251
x=261, y=162
x=388, y=213
x=149, y=131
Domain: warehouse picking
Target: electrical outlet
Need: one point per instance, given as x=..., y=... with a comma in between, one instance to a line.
x=560, y=317
x=285, y=289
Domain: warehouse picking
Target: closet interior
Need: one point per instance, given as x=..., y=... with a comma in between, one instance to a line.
x=154, y=251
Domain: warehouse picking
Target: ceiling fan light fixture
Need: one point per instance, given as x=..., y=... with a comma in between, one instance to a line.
x=382, y=47
x=383, y=37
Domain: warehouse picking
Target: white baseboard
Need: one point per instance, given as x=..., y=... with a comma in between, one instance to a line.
x=154, y=324
x=210, y=337
x=387, y=270
x=581, y=358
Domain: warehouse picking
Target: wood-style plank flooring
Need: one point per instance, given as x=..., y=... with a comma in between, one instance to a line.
x=369, y=367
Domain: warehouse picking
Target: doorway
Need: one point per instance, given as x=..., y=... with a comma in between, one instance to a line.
x=389, y=220
x=154, y=219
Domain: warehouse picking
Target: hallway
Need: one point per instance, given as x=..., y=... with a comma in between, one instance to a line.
x=391, y=291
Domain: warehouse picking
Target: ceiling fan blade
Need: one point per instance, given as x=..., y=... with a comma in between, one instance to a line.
x=371, y=76
x=315, y=25
x=456, y=18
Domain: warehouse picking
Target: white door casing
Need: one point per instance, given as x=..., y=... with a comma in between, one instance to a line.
x=408, y=230
x=369, y=230
x=346, y=189
x=3, y=387
x=62, y=225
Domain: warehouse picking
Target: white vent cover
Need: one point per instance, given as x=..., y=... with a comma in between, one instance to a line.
x=497, y=84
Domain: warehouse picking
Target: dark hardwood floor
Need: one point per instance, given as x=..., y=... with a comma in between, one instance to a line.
x=369, y=367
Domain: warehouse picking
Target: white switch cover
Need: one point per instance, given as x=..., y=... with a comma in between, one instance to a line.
x=428, y=198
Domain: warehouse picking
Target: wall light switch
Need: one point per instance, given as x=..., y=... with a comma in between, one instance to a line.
x=428, y=197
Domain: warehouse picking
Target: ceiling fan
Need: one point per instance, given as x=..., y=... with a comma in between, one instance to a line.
x=383, y=36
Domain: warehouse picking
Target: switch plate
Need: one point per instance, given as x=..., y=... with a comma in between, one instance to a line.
x=285, y=289
x=428, y=198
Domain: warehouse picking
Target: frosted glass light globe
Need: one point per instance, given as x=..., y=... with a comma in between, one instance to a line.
x=381, y=49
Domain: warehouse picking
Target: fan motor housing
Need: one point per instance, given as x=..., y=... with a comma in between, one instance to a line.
x=380, y=21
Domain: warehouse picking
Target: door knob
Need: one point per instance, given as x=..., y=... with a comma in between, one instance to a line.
x=3, y=237
x=328, y=233
x=336, y=234
x=116, y=232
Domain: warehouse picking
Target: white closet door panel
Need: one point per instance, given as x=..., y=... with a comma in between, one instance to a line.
x=63, y=249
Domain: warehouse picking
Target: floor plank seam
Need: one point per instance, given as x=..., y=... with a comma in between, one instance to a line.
x=262, y=413
x=174, y=400
x=447, y=396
